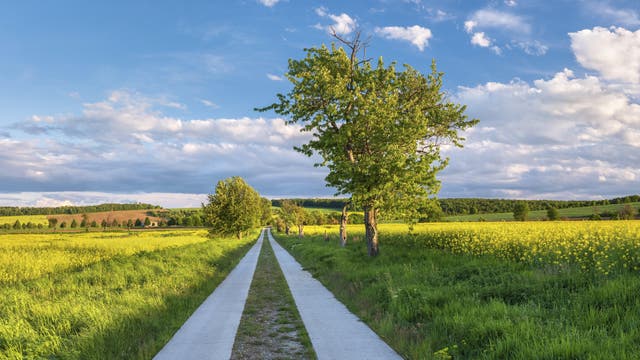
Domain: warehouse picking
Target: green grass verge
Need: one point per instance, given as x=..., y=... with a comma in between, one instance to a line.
x=271, y=326
x=571, y=213
x=124, y=307
x=429, y=303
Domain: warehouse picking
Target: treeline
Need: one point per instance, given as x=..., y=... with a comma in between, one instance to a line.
x=70, y=210
x=314, y=203
x=464, y=206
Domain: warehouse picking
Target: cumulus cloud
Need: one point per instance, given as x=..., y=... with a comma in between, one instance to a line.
x=556, y=138
x=613, y=52
x=480, y=39
x=343, y=24
x=125, y=143
x=416, y=35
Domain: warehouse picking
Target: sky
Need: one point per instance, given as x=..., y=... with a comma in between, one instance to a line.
x=153, y=101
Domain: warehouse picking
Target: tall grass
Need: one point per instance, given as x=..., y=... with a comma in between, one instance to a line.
x=123, y=300
x=430, y=301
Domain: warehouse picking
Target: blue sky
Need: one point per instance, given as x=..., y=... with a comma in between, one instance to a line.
x=153, y=100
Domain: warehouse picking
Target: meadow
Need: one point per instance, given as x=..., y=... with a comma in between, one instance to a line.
x=547, y=290
x=105, y=295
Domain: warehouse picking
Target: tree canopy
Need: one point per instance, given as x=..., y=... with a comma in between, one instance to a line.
x=377, y=129
x=234, y=208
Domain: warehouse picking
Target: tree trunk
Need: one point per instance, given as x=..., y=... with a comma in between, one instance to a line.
x=286, y=229
x=343, y=225
x=239, y=235
x=300, y=231
x=371, y=230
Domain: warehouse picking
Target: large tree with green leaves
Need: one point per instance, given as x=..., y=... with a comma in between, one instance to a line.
x=234, y=208
x=377, y=128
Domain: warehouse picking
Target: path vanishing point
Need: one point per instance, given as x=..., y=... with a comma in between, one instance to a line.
x=335, y=332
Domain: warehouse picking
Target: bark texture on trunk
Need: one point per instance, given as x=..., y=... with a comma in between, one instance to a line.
x=371, y=230
x=343, y=226
x=240, y=235
x=300, y=231
x=286, y=229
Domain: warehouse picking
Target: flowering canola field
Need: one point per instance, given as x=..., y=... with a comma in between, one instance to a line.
x=592, y=246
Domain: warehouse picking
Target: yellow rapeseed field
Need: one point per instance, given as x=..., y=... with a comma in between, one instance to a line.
x=29, y=256
x=600, y=246
x=24, y=219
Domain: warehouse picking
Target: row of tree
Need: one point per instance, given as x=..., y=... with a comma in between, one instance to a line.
x=85, y=223
x=70, y=210
x=464, y=206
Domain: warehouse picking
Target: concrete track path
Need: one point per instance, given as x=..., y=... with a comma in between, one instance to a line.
x=210, y=331
x=335, y=332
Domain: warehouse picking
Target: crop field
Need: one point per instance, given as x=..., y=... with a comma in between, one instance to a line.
x=105, y=295
x=560, y=290
x=24, y=219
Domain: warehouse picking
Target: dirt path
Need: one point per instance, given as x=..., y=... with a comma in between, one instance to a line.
x=271, y=327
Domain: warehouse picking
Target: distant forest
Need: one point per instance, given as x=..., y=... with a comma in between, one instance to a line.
x=19, y=211
x=464, y=206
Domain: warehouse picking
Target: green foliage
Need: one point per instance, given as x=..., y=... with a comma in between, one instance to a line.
x=266, y=214
x=375, y=127
x=521, y=211
x=234, y=208
x=627, y=212
x=553, y=214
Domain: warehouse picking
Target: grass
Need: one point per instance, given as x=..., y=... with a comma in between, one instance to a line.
x=116, y=296
x=570, y=213
x=432, y=303
x=271, y=326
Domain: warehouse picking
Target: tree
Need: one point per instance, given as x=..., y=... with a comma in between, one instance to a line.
x=233, y=209
x=627, y=212
x=552, y=213
x=17, y=225
x=147, y=221
x=104, y=223
x=52, y=222
x=74, y=224
x=376, y=128
x=521, y=211
x=265, y=214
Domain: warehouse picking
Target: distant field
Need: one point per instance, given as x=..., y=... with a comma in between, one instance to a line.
x=24, y=219
x=105, y=295
x=579, y=212
x=109, y=216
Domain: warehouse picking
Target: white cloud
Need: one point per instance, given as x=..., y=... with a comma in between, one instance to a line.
x=627, y=17
x=275, y=77
x=480, y=39
x=343, y=24
x=490, y=18
x=209, y=103
x=125, y=143
x=268, y=3
x=554, y=138
x=510, y=2
x=469, y=25
x=534, y=47
x=417, y=35
x=614, y=52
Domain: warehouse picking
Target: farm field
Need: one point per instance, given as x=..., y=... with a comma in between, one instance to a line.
x=489, y=290
x=577, y=212
x=24, y=219
x=105, y=295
